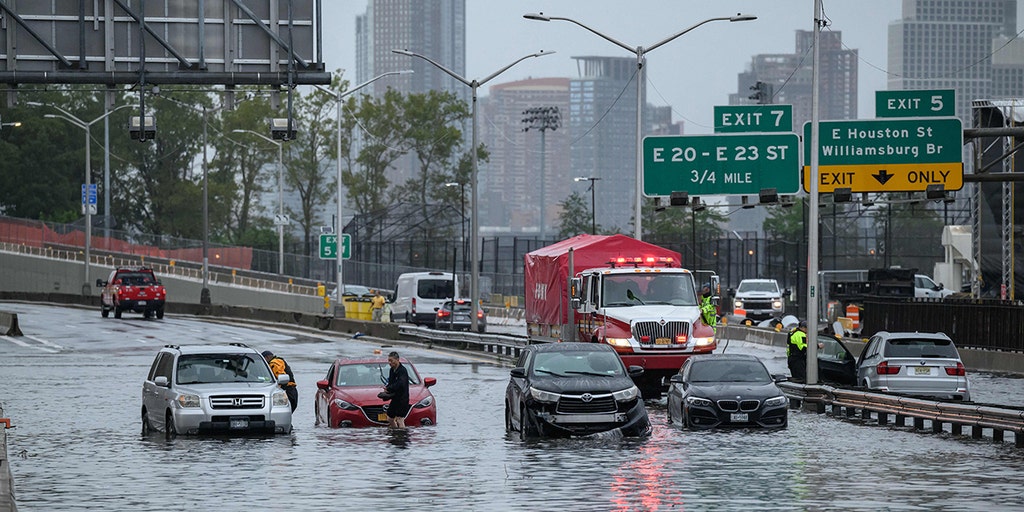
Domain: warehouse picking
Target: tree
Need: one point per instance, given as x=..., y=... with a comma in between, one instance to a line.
x=576, y=217
x=786, y=223
x=384, y=125
x=307, y=173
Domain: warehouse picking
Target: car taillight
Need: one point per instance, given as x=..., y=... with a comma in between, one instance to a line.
x=441, y=313
x=414, y=305
x=480, y=313
x=957, y=370
x=883, y=368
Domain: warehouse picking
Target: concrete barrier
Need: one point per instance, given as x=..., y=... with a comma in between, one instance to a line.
x=6, y=480
x=9, y=324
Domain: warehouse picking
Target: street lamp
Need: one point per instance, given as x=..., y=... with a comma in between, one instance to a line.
x=593, y=213
x=87, y=128
x=543, y=119
x=640, y=52
x=280, y=196
x=462, y=213
x=338, y=96
x=474, y=276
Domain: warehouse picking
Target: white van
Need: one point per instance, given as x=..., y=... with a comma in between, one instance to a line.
x=418, y=295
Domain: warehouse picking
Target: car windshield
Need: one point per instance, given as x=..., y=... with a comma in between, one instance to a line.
x=369, y=374
x=567, y=364
x=729, y=371
x=914, y=347
x=214, y=368
x=758, y=286
x=352, y=289
x=630, y=290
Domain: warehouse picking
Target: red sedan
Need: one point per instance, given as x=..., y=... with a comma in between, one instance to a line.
x=348, y=396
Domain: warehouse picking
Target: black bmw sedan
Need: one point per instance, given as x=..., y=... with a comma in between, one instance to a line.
x=573, y=389
x=726, y=390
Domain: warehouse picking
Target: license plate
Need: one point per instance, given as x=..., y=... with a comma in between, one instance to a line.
x=738, y=417
x=239, y=423
x=922, y=370
x=142, y=303
x=462, y=317
x=662, y=341
x=383, y=416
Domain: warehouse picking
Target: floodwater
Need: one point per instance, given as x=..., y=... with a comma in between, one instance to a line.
x=76, y=446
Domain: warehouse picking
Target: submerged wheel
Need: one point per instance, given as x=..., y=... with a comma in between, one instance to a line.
x=146, y=429
x=169, y=430
x=527, y=428
x=160, y=313
x=508, y=418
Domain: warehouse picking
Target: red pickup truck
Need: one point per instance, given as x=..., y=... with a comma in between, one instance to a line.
x=132, y=289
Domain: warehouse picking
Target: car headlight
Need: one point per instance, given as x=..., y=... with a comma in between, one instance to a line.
x=703, y=342
x=426, y=402
x=188, y=400
x=544, y=396
x=776, y=401
x=618, y=342
x=280, y=398
x=738, y=304
x=776, y=304
x=343, y=404
x=626, y=395
x=697, y=401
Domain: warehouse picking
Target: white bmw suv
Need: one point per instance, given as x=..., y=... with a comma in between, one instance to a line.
x=200, y=389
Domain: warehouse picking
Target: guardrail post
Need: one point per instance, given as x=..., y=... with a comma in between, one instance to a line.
x=997, y=435
x=936, y=427
x=976, y=431
x=957, y=429
x=883, y=418
x=918, y=423
x=901, y=420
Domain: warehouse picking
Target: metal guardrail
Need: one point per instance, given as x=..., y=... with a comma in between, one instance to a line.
x=506, y=348
x=848, y=404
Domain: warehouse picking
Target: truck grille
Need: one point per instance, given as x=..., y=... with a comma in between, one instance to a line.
x=577, y=405
x=237, y=401
x=656, y=330
x=757, y=304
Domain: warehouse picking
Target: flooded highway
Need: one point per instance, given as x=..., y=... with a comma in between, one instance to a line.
x=72, y=387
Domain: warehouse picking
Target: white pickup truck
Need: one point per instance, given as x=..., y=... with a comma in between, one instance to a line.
x=758, y=299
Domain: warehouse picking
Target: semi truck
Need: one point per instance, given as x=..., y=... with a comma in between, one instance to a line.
x=623, y=292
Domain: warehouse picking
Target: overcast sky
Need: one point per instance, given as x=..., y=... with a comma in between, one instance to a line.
x=692, y=73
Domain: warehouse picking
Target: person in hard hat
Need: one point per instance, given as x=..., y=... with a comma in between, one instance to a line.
x=796, y=352
x=707, y=308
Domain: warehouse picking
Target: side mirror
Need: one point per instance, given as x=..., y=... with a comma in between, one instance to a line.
x=779, y=377
x=323, y=384
x=939, y=287
x=786, y=292
x=636, y=371
x=100, y=283
x=429, y=381
x=283, y=378
x=518, y=372
x=730, y=292
x=161, y=381
x=574, y=303
x=677, y=378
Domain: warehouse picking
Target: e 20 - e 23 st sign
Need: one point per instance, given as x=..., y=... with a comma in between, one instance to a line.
x=739, y=164
x=887, y=155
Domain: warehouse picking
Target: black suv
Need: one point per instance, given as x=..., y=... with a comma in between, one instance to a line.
x=573, y=389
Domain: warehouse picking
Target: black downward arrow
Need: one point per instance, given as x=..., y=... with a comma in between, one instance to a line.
x=882, y=176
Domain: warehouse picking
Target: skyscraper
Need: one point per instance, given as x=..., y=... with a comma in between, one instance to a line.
x=957, y=44
x=602, y=121
x=512, y=181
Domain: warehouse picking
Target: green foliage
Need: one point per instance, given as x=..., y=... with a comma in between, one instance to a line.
x=786, y=223
x=576, y=217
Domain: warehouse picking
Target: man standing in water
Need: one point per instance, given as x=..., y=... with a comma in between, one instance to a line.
x=398, y=387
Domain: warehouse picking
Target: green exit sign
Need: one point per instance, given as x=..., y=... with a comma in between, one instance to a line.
x=922, y=103
x=329, y=246
x=728, y=164
x=753, y=118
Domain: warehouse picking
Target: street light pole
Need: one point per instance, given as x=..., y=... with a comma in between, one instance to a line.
x=593, y=203
x=640, y=52
x=474, y=280
x=280, y=196
x=543, y=119
x=462, y=215
x=87, y=127
x=338, y=96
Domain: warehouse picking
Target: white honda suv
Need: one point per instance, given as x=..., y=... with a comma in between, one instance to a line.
x=199, y=389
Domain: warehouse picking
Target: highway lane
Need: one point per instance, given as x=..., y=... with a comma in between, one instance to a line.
x=72, y=386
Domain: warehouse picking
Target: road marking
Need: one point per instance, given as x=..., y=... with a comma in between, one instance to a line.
x=26, y=345
x=44, y=342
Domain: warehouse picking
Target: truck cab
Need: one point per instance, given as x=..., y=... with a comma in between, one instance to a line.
x=758, y=299
x=649, y=315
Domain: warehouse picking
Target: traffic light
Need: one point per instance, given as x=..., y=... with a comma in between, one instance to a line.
x=763, y=92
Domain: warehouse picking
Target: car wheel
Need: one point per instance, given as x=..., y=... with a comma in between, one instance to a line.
x=684, y=421
x=169, y=430
x=146, y=429
x=147, y=314
x=508, y=417
x=527, y=428
x=117, y=312
x=330, y=421
x=160, y=313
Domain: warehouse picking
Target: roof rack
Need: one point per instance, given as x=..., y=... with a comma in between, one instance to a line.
x=176, y=347
x=238, y=344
